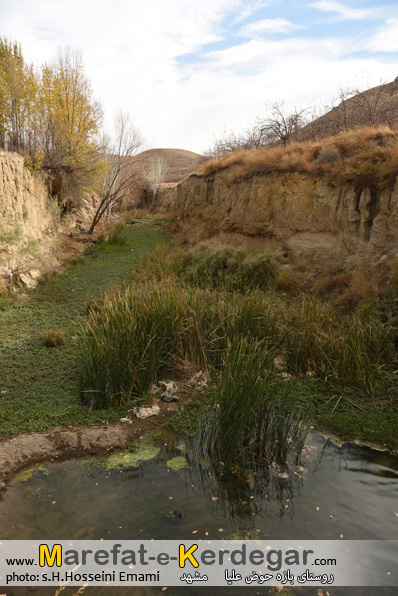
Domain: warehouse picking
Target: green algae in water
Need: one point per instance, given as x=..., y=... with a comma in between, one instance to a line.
x=203, y=461
x=131, y=457
x=177, y=463
x=25, y=476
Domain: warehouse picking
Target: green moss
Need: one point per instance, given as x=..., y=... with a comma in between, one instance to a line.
x=177, y=463
x=24, y=476
x=27, y=474
x=144, y=451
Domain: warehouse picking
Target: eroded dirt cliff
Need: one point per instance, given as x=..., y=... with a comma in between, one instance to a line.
x=30, y=221
x=26, y=217
x=298, y=212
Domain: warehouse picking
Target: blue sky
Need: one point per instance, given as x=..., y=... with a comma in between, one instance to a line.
x=189, y=69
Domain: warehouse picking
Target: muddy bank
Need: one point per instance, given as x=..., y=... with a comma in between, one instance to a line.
x=20, y=452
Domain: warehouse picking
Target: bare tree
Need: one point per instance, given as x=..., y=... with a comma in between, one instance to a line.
x=119, y=172
x=155, y=174
x=375, y=106
x=280, y=125
x=252, y=137
x=355, y=107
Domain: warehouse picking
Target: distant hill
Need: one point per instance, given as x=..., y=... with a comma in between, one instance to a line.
x=373, y=107
x=180, y=162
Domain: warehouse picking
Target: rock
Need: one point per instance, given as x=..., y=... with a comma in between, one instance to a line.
x=279, y=363
x=145, y=412
x=168, y=396
x=34, y=273
x=27, y=281
x=25, y=213
x=308, y=213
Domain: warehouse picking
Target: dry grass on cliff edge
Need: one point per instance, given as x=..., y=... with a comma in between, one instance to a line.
x=366, y=156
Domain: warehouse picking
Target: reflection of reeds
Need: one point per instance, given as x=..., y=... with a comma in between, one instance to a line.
x=251, y=491
x=249, y=419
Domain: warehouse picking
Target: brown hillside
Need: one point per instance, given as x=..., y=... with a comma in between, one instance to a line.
x=373, y=107
x=179, y=161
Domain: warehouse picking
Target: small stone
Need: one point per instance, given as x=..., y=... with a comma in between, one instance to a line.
x=168, y=396
x=279, y=363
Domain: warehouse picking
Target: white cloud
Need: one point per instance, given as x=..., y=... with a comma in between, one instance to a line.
x=343, y=13
x=249, y=8
x=386, y=39
x=260, y=29
x=133, y=58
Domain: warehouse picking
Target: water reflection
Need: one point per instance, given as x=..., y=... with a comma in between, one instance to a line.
x=337, y=491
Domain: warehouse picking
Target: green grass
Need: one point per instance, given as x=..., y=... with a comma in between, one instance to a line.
x=133, y=337
x=217, y=266
x=41, y=384
x=207, y=298
x=356, y=416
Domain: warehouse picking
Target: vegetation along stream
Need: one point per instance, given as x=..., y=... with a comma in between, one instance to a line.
x=242, y=458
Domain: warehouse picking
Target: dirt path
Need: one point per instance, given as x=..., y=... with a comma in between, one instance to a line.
x=20, y=452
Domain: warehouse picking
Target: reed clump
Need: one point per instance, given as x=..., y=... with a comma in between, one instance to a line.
x=251, y=419
x=132, y=337
x=217, y=266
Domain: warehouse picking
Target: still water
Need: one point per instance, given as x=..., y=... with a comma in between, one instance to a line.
x=337, y=493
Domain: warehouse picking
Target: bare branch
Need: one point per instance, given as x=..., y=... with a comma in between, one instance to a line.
x=155, y=174
x=119, y=172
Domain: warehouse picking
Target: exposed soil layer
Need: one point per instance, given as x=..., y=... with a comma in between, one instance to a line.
x=23, y=451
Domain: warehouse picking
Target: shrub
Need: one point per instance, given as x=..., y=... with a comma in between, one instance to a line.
x=52, y=338
x=288, y=281
x=217, y=266
x=118, y=235
x=331, y=284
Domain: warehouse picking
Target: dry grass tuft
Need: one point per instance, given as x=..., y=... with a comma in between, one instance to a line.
x=366, y=156
x=52, y=338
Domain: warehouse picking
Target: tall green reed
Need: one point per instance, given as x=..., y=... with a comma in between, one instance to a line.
x=251, y=417
x=133, y=336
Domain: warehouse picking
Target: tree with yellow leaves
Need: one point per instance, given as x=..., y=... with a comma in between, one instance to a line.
x=71, y=122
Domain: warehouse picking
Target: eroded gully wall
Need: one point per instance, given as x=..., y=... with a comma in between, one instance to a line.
x=300, y=213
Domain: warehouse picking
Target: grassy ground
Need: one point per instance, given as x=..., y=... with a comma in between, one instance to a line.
x=39, y=385
x=352, y=404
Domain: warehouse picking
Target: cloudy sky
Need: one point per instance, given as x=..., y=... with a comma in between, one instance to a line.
x=189, y=69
